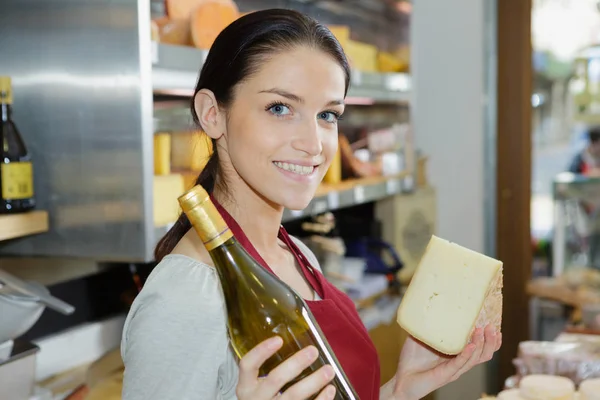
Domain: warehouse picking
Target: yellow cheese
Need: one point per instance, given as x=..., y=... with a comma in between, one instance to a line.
x=453, y=291
x=190, y=150
x=167, y=188
x=362, y=56
x=589, y=389
x=162, y=154
x=546, y=387
x=510, y=394
x=341, y=33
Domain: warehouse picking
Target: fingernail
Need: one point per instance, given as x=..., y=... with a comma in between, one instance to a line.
x=329, y=372
x=330, y=392
x=274, y=343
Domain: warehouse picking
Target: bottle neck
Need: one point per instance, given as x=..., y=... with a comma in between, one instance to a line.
x=5, y=111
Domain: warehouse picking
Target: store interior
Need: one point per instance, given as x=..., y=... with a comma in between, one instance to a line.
x=477, y=122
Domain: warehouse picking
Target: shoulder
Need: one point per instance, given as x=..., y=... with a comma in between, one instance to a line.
x=312, y=259
x=180, y=291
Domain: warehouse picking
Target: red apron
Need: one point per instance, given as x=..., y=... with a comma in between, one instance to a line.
x=336, y=315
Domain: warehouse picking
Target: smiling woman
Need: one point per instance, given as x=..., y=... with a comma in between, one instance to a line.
x=269, y=96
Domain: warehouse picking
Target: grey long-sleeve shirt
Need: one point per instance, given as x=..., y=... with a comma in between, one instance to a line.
x=175, y=344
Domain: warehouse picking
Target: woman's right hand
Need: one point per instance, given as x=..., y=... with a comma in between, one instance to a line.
x=251, y=387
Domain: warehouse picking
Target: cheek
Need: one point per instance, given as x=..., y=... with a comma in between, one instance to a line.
x=330, y=146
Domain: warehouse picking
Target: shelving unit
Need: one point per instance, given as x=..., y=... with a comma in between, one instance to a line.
x=347, y=194
x=19, y=225
x=94, y=134
x=175, y=70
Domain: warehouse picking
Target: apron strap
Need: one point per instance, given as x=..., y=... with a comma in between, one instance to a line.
x=311, y=275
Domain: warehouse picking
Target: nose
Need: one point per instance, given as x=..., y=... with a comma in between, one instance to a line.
x=308, y=139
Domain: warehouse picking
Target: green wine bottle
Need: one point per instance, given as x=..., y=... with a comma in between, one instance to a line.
x=259, y=305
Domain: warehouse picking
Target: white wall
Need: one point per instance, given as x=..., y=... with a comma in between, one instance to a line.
x=448, y=65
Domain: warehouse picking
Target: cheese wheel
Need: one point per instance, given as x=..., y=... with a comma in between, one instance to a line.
x=181, y=9
x=209, y=19
x=546, y=387
x=172, y=31
x=589, y=389
x=509, y=394
x=453, y=291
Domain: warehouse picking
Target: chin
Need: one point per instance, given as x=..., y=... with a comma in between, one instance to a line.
x=299, y=202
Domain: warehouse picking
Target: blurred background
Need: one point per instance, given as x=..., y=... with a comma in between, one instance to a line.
x=474, y=120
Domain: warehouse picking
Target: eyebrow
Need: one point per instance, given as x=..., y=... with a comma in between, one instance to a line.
x=296, y=98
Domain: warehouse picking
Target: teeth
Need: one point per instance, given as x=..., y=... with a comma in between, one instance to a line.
x=298, y=169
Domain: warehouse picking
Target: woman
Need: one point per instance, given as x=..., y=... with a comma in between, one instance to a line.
x=269, y=96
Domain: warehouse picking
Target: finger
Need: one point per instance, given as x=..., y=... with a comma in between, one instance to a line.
x=479, y=342
x=249, y=364
x=446, y=370
x=327, y=394
x=490, y=344
x=288, y=370
x=311, y=385
x=498, y=340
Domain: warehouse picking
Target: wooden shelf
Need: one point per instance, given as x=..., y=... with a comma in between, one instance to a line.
x=19, y=225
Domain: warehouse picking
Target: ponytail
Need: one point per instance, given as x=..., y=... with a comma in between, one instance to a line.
x=208, y=179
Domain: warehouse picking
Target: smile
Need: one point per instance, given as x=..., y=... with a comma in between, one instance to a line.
x=296, y=169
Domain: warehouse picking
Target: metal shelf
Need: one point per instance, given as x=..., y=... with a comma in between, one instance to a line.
x=175, y=70
x=347, y=194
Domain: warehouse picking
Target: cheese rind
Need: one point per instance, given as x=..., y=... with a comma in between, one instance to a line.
x=546, y=387
x=589, y=389
x=453, y=291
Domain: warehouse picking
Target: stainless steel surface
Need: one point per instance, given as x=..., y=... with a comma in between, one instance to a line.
x=173, y=117
x=17, y=375
x=42, y=295
x=83, y=100
x=176, y=68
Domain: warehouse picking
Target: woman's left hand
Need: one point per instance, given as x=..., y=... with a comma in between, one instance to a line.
x=421, y=370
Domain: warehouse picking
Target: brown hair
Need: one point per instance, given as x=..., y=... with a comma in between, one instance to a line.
x=237, y=53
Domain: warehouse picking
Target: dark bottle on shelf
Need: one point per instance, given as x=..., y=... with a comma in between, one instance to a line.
x=16, y=169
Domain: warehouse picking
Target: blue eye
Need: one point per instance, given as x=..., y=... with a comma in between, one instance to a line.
x=279, y=109
x=329, y=116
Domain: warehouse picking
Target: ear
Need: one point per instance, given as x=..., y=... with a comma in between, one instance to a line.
x=212, y=119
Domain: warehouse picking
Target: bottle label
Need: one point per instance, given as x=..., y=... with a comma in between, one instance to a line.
x=17, y=180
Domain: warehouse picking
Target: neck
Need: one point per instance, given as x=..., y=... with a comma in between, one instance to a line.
x=259, y=219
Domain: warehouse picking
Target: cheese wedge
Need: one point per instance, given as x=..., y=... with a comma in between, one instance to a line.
x=589, y=389
x=510, y=394
x=167, y=188
x=453, y=291
x=546, y=387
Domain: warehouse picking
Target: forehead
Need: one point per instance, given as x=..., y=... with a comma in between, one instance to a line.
x=304, y=71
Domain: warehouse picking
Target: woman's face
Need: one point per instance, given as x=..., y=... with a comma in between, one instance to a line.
x=282, y=126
